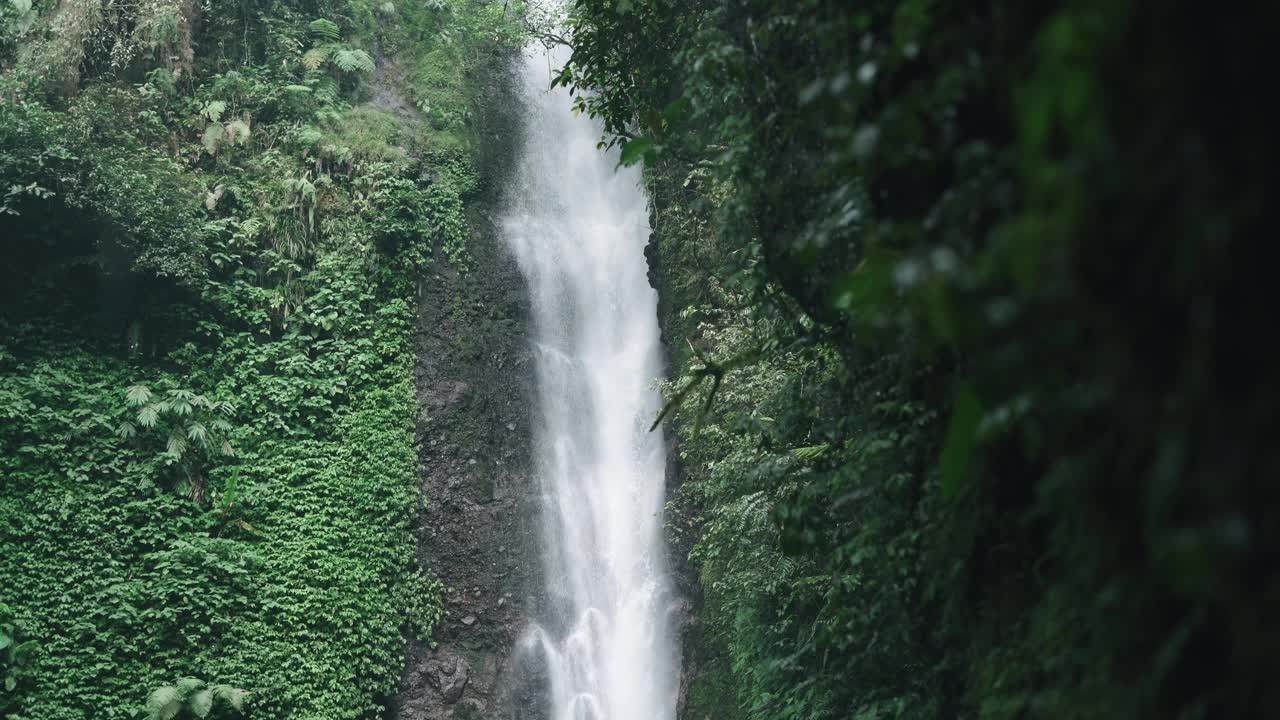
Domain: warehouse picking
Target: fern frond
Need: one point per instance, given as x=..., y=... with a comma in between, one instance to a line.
x=176, y=445
x=213, y=137
x=232, y=696
x=349, y=60
x=327, y=91
x=238, y=132
x=297, y=88
x=250, y=228
x=201, y=703
x=186, y=686
x=126, y=430
x=316, y=57
x=325, y=29
x=197, y=433
x=137, y=395
x=214, y=110
x=149, y=415
x=163, y=703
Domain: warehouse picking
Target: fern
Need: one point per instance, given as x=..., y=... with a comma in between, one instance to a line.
x=193, y=695
x=213, y=137
x=325, y=30
x=137, y=395
x=214, y=110
x=238, y=132
x=164, y=703
x=316, y=57
x=202, y=703
x=350, y=60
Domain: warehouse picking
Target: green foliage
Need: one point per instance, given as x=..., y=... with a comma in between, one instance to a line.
x=193, y=698
x=195, y=430
x=16, y=657
x=228, y=228
x=1020, y=322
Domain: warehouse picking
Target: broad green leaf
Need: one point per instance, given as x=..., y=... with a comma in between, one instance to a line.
x=634, y=150
x=202, y=703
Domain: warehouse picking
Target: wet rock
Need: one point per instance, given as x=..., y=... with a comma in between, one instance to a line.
x=448, y=675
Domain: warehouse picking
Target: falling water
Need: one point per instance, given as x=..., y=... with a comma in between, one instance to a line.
x=579, y=226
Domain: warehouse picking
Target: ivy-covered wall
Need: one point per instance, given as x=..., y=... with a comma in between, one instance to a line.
x=207, y=462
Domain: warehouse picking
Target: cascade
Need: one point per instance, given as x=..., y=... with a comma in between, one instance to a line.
x=578, y=225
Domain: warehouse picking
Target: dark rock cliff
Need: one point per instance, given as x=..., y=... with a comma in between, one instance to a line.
x=477, y=527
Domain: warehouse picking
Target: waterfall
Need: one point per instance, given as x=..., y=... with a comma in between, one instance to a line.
x=578, y=226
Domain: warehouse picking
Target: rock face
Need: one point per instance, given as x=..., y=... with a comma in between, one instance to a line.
x=477, y=527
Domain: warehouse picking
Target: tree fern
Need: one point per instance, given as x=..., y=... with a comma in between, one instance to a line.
x=351, y=60
x=316, y=57
x=325, y=30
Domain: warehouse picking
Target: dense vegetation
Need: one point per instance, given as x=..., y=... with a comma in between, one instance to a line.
x=216, y=216
x=963, y=301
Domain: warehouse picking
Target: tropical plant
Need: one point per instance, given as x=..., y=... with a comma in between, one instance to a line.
x=193, y=698
x=195, y=430
x=330, y=51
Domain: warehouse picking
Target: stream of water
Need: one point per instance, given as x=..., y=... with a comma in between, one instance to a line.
x=578, y=226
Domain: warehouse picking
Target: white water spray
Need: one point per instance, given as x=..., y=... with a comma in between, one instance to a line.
x=578, y=228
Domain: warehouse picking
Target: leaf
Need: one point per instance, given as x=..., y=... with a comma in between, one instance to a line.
x=348, y=60
x=316, y=57
x=126, y=430
x=186, y=686
x=149, y=415
x=238, y=132
x=176, y=445
x=5, y=640
x=213, y=110
x=811, y=452
x=163, y=703
x=297, y=88
x=137, y=395
x=634, y=150
x=212, y=138
x=232, y=696
x=325, y=29
x=10, y=682
x=197, y=433
x=22, y=6
x=22, y=652
x=202, y=703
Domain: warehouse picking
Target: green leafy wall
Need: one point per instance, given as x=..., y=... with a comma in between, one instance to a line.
x=243, y=226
